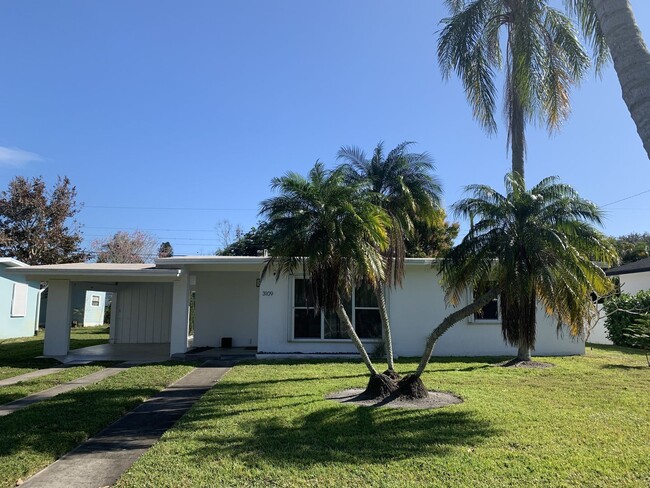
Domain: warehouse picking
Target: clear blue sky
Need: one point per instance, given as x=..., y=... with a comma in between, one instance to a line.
x=198, y=104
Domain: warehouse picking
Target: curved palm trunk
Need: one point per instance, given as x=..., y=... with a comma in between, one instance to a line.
x=450, y=321
x=385, y=325
x=631, y=60
x=345, y=320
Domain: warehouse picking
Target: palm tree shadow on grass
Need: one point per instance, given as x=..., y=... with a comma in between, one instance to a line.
x=348, y=435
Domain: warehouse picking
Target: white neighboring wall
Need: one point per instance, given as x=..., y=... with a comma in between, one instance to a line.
x=94, y=308
x=633, y=283
x=415, y=309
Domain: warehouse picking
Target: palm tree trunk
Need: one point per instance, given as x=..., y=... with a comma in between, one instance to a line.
x=517, y=135
x=385, y=325
x=631, y=60
x=523, y=353
x=345, y=320
x=450, y=321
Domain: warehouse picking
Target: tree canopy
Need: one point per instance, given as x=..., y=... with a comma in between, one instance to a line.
x=38, y=226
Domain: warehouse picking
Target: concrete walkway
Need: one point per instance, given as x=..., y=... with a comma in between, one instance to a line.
x=89, y=379
x=101, y=460
x=39, y=373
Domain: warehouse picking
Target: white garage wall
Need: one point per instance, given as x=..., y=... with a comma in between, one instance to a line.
x=226, y=306
x=143, y=313
x=415, y=309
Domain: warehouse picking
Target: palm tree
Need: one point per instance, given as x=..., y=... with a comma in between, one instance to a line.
x=537, y=246
x=333, y=234
x=543, y=58
x=402, y=184
x=612, y=28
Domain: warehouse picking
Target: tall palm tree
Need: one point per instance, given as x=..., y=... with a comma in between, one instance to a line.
x=332, y=233
x=542, y=58
x=402, y=183
x=537, y=246
x=612, y=28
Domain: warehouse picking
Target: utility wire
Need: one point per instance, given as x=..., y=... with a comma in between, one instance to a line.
x=626, y=198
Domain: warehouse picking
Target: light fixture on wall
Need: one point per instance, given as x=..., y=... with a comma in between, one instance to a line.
x=258, y=282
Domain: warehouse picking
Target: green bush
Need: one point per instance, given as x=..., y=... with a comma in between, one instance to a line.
x=622, y=313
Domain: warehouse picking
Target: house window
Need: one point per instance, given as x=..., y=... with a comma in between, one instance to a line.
x=362, y=309
x=19, y=300
x=490, y=312
x=94, y=301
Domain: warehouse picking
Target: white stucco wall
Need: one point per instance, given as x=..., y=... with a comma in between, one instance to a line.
x=414, y=309
x=633, y=283
x=226, y=306
x=143, y=313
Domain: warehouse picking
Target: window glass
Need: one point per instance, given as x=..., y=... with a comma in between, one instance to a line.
x=361, y=309
x=95, y=301
x=306, y=324
x=367, y=323
x=489, y=311
x=365, y=297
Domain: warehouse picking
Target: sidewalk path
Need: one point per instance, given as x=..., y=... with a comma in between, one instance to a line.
x=38, y=373
x=101, y=460
x=89, y=379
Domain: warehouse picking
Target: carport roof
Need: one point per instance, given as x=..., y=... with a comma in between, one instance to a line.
x=99, y=272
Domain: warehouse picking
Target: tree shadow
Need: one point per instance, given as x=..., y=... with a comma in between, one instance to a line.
x=343, y=434
x=626, y=367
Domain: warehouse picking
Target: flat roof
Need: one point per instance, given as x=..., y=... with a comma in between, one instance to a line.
x=190, y=260
x=12, y=263
x=98, y=272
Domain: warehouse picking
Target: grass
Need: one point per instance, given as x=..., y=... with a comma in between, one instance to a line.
x=19, y=356
x=32, y=438
x=584, y=422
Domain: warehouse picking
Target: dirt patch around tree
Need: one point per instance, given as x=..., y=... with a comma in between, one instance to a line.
x=355, y=396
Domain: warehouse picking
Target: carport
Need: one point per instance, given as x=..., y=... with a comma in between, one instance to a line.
x=149, y=316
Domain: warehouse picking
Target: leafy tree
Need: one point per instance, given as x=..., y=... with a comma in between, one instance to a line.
x=638, y=335
x=541, y=59
x=402, y=183
x=612, y=28
x=250, y=243
x=125, y=247
x=432, y=240
x=632, y=247
x=37, y=226
x=537, y=245
x=622, y=312
x=165, y=250
x=331, y=232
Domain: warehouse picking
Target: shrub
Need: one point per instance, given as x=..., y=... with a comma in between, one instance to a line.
x=622, y=313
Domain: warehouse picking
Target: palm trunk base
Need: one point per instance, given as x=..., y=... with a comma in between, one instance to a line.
x=523, y=353
x=392, y=374
x=380, y=386
x=412, y=387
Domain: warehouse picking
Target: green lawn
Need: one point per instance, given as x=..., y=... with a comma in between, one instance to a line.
x=32, y=438
x=585, y=422
x=18, y=356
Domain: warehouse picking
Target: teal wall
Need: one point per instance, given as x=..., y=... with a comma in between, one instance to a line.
x=16, y=326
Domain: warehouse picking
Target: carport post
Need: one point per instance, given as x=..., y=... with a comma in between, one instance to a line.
x=58, y=320
x=180, y=315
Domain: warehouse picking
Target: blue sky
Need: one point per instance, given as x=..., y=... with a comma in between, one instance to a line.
x=167, y=106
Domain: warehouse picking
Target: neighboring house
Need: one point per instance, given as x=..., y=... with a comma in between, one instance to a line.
x=19, y=302
x=634, y=276
x=88, y=307
x=269, y=315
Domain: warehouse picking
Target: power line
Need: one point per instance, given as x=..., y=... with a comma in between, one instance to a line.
x=626, y=198
x=157, y=230
x=171, y=208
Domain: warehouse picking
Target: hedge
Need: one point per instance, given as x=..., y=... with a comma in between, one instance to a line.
x=622, y=312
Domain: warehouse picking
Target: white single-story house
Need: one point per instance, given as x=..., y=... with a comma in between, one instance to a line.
x=235, y=306
x=19, y=301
